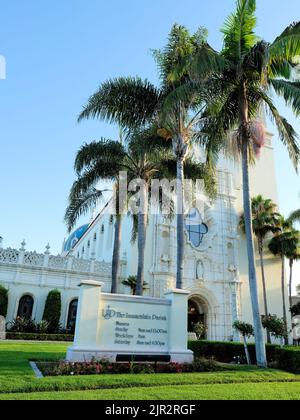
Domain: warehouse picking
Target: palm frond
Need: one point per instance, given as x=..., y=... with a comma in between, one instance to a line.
x=108, y=152
x=295, y=216
x=174, y=59
x=287, y=45
x=206, y=62
x=287, y=134
x=127, y=101
x=290, y=91
x=239, y=36
x=81, y=204
x=91, y=176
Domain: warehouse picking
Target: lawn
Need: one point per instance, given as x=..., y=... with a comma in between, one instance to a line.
x=17, y=381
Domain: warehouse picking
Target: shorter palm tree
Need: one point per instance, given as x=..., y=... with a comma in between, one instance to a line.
x=283, y=244
x=265, y=220
x=131, y=282
x=94, y=163
x=247, y=331
x=293, y=255
x=295, y=216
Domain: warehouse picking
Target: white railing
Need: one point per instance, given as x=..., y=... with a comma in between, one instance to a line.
x=24, y=258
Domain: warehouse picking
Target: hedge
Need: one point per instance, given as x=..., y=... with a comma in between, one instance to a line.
x=288, y=359
x=52, y=311
x=39, y=337
x=225, y=352
x=3, y=301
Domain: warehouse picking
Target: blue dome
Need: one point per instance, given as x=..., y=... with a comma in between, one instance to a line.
x=75, y=237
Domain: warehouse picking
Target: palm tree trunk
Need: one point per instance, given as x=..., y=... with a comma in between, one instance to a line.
x=180, y=224
x=142, y=225
x=116, y=265
x=291, y=283
x=258, y=328
x=286, y=341
x=247, y=351
x=260, y=248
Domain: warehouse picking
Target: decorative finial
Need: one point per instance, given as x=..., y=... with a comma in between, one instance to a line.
x=23, y=244
x=47, y=249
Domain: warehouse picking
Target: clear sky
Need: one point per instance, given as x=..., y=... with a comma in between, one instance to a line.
x=57, y=54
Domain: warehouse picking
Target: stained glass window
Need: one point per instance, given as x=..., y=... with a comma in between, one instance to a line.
x=195, y=227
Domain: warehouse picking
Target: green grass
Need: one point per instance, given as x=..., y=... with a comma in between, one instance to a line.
x=17, y=381
x=248, y=391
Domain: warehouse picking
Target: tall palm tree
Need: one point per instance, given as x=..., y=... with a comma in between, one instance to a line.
x=133, y=102
x=241, y=80
x=265, y=220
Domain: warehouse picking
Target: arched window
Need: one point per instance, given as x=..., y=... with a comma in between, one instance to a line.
x=195, y=227
x=25, y=308
x=72, y=315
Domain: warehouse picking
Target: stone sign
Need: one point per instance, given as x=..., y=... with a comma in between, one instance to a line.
x=2, y=328
x=114, y=325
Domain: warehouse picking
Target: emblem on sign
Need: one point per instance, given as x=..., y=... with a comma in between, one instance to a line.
x=108, y=313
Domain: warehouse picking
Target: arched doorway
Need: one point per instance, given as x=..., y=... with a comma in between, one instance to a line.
x=25, y=308
x=197, y=312
x=71, y=323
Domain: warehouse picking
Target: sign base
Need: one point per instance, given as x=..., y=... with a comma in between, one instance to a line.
x=79, y=354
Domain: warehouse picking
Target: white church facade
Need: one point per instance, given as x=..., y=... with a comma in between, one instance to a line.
x=215, y=264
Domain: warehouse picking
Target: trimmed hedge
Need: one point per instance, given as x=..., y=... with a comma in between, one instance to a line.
x=39, y=337
x=288, y=359
x=3, y=301
x=225, y=352
x=52, y=311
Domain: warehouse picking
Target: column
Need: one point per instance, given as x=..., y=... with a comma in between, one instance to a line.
x=88, y=316
x=178, y=326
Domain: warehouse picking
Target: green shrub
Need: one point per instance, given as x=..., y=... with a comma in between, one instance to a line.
x=295, y=309
x=3, y=301
x=39, y=337
x=288, y=359
x=104, y=367
x=22, y=325
x=52, y=310
x=227, y=352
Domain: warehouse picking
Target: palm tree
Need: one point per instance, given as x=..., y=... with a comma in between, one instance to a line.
x=241, y=79
x=265, y=220
x=131, y=282
x=284, y=244
x=99, y=161
x=143, y=156
x=293, y=255
x=133, y=102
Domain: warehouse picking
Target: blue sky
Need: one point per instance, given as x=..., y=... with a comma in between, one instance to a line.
x=57, y=54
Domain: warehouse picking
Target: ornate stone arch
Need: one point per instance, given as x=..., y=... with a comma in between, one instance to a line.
x=209, y=303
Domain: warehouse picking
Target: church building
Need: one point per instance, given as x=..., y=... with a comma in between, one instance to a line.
x=215, y=263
